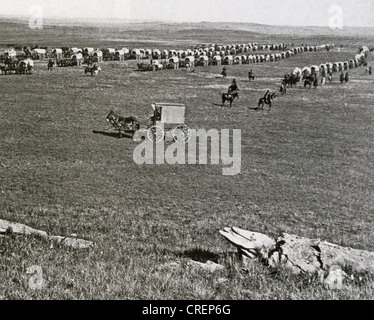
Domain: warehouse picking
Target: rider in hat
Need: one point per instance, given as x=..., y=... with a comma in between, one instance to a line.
x=346, y=77
x=251, y=75
x=233, y=89
x=342, y=77
x=267, y=96
x=224, y=72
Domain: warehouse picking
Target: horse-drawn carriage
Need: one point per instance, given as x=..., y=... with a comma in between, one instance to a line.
x=155, y=65
x=15, y=66
x=166, y=123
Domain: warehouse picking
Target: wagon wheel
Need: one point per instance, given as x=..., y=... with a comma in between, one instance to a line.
x=156, y=133
x=182, y=134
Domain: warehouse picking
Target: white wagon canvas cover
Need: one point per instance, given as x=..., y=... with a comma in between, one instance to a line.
x=171, y=113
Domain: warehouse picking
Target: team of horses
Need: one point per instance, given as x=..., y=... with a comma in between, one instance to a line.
x=13, y=66
x=123, y=124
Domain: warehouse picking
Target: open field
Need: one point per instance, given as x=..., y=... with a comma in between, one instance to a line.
x=307, y=169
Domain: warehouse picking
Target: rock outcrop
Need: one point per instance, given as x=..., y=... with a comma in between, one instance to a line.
x=21, y=229
x=300, y=255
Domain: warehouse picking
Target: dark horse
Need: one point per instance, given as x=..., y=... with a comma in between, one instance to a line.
x=92, y=70
x=50, y=64
x=229, y=97
x=283, y=88
x=311, y=80
x=291, y=80
x=268, y=101
x=122, y=123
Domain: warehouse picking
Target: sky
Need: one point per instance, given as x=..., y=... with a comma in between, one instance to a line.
x=274, y=12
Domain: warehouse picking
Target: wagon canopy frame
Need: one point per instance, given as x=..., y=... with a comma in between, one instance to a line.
x=169, y=114
x=169, y=117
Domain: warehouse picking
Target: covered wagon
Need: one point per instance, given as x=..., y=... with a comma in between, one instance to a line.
x=204, y=61
x=190, y=61
x=97, y=56
x=119, y=55
x=57, y=53
x=39, y=54
x=237, y=60
x=228, y=60
x=315, y=69
x=136, y=54
x=174, y=63
x=217, y=60
x=156, y=54
x=167, y=121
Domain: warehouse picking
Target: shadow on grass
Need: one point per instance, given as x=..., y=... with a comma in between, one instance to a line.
x=256, y=109
x=112, y=134
x=199, y=255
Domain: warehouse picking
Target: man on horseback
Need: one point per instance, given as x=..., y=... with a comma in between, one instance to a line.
x=266, y=100
x=323, y=75
x=251, y=75
x=233, y=93
x=224, y=72
x=342, y=77
x=267, y=97
x=50, y=64
x=330, y=76
x=233, y=89
x=346, y=78
x=283, y=88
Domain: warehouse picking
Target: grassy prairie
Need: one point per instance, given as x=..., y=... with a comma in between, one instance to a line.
x=307, y=169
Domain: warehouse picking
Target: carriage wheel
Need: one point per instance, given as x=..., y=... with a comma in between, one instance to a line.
x=156, y=133
x=182, y=134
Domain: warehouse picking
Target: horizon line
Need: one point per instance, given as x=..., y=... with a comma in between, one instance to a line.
x=130, y=21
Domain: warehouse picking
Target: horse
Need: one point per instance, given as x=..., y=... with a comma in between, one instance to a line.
x=229, y=97
x=93, y=71
x=291, y=80
x=50, y=64
x=283, y=88
x=22, y=68
x=311, y=80
x=29, y=68
x=346, y=78
x=342, y=78
x=122, y=123
x=288, y=80
x=3, y=69
x=269, y=101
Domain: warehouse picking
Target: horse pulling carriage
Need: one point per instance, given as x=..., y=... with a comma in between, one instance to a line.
x=15, y=66
x=153, y=66
x=123, y=124
x=166, y=123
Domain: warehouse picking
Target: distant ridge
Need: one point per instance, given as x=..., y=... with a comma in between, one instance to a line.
x=255, y=29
